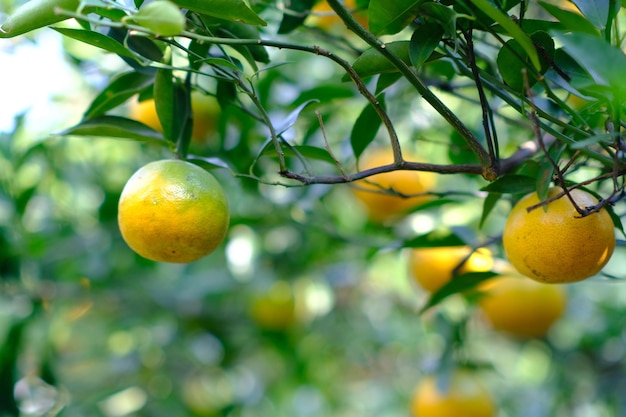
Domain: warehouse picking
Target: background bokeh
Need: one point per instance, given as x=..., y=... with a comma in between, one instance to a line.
x=88, y=328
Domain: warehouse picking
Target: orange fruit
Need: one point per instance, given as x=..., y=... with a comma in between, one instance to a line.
x=173, y=211
x=522, y=307
x=464, y=396
x=275, y=308
x=432, y=268
x=145, y=112
x=205, y=108
x=557, y=245
x=390, y=194
x=323, y=16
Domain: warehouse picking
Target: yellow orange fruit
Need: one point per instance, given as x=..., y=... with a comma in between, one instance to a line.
x=322, y=15
x=432, y=268
x=463, y=396
x=557, y=245
x=391, y=194
x=521, y=306
x=206, y=112
x=173, y=211
x=145, y=112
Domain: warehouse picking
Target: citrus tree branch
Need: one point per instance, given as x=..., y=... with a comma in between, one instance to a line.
x=490, y=172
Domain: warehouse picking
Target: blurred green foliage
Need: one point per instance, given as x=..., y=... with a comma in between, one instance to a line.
x=88, y=328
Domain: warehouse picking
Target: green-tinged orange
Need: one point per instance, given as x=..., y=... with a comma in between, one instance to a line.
x=275, y=309
x=173, y=211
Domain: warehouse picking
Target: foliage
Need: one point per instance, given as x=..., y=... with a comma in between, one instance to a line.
x=481, y=91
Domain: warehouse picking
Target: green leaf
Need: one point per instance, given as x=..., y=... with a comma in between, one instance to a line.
x=456, y=285
x=603, y=61
x=291, y=119
x=325, y=93
x=238, y=30
x=365, y=128
x=164, y=98
x=596, y=11
x=435, y=239
x=390, y=17
x=96, y=39
x=371, y=62
x=386, y=80
x=237, y=10
x=424, y=41
x=512, y=184
x=120, y=89
x=35, y=14
x=511, y=28
x=578, y=78
x=459, y=152
x=512, y=59
x=298, y=12
x=161, y=17
x=592, y=140
x=489, y=203
x=444, y=15
x=570, y=20
x=310, y=152
x=116, y=127
x=545, y=170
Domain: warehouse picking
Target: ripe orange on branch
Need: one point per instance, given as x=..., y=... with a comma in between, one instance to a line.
x=173, y=211
x=206, y=111
x=392, y=193
x=432, y=268
x=522, y=307
x=556, y=244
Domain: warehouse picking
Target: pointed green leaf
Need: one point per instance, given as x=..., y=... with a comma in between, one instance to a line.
x=238, y=30
x=35, y=14
x=435, y=239
x=489, y=204
x=291, y=119
x=120, y=89
x=310, y=152
x=116, y=127
x=596, y=11
x=372, y=62
x=164, y=98
x=570, y=20
x=512, y=59
x=96, y=39
x=237, y=10
x=545, y=170
x=424, y=41
x=458, y=284
x=442, y=14
x=161, y=17
x=390, y=17
x=386, y=80
x=511, y=28
x=605, y=62
x=365, y=128
x=298, y=12
x=512, y=184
